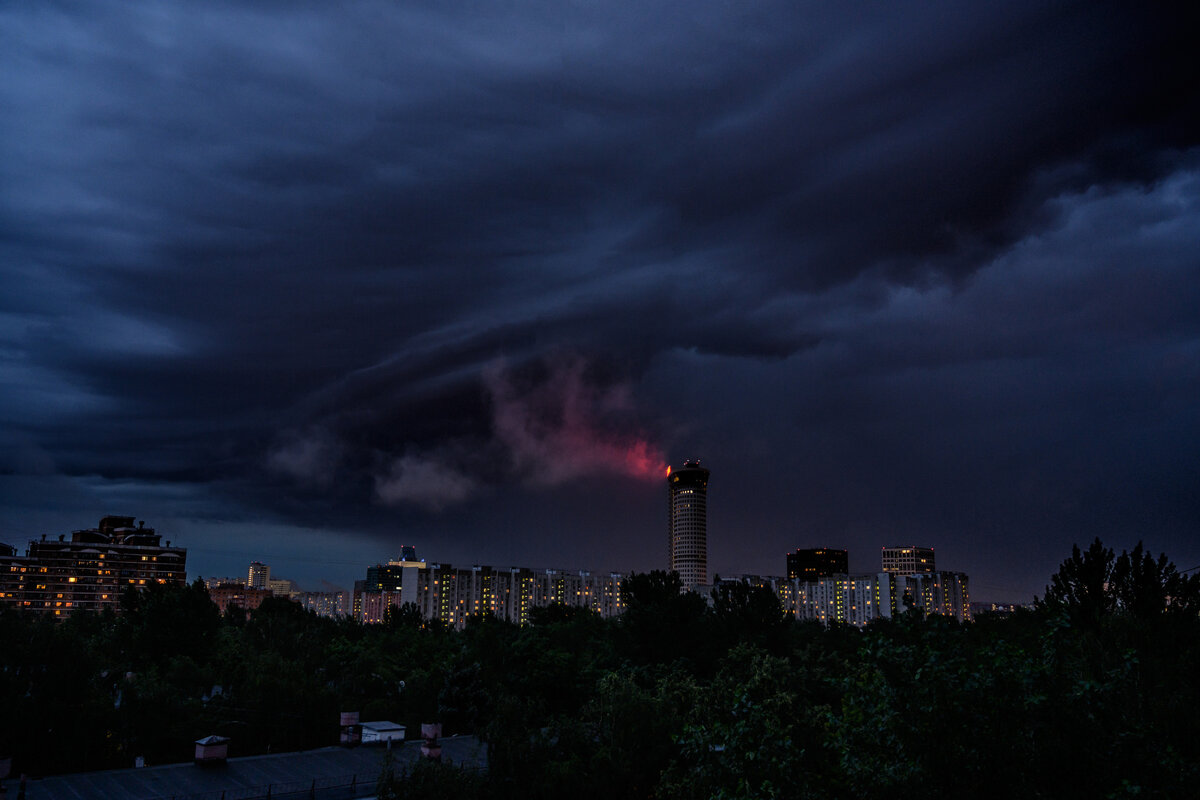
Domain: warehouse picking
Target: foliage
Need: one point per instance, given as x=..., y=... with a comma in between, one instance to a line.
x=1094, y=584
x=1081, y=584
x=429, y=780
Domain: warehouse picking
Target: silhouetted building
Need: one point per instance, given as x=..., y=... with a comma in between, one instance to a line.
x=820, y=562
x=908, y=560
x=687, y=533
x=90, y=571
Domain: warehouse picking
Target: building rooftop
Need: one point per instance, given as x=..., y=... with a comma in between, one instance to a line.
x=333, y=769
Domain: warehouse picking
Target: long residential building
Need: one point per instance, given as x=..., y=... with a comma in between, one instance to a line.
x=91, y=570
x=860, y=599
x=452, y=594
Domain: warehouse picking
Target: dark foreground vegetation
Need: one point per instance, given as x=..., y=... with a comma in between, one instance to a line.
x=1093, y=694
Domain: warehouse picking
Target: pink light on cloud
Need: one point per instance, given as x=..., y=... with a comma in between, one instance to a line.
x=565, y=426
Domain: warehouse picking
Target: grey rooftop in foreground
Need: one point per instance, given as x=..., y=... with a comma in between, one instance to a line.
x=331, y=769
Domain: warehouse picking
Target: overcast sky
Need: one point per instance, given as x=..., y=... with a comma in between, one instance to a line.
x=306, y=282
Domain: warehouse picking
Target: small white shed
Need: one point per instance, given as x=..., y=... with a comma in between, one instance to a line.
x=382, y=731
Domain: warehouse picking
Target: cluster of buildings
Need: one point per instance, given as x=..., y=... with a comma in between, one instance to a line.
x=820, y=588
x=249, y=593
x=828, y=595
x=90, y=571
x=818, y=585
x=451, y=594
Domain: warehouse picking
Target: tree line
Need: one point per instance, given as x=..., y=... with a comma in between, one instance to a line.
x=1092, y=693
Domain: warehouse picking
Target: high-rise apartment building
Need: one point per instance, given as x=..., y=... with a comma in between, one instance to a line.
x=90, y=571
x=908, y=560
x=687, y=534
x=820, y=562
x=389, y=577
x=259, y=575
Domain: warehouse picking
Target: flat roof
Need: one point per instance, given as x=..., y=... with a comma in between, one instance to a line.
x=383, y=725
x=329, y=767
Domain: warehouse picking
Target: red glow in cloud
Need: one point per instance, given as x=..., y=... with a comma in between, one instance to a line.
x=563, y=427
x=644, y=461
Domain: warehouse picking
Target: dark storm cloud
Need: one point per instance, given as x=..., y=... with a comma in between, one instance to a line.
x=384, y=261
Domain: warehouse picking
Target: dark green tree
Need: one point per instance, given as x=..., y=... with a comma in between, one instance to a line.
x=747, y=612
x=1146, y=587
x=1081, y=585
x=662, y=622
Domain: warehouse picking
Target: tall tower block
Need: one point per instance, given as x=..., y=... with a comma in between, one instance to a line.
x=258, y=576
x=687, y=536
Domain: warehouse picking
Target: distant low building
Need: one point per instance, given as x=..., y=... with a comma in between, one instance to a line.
x=282, y=587
x=91, y=570
x=227, y=595
x=997, y=608
x=213, y=583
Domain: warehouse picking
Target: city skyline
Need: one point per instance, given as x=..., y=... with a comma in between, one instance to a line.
x=94, y=569
x=300, y=284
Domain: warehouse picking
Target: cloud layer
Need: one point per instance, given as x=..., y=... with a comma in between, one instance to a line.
x=920, y=273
